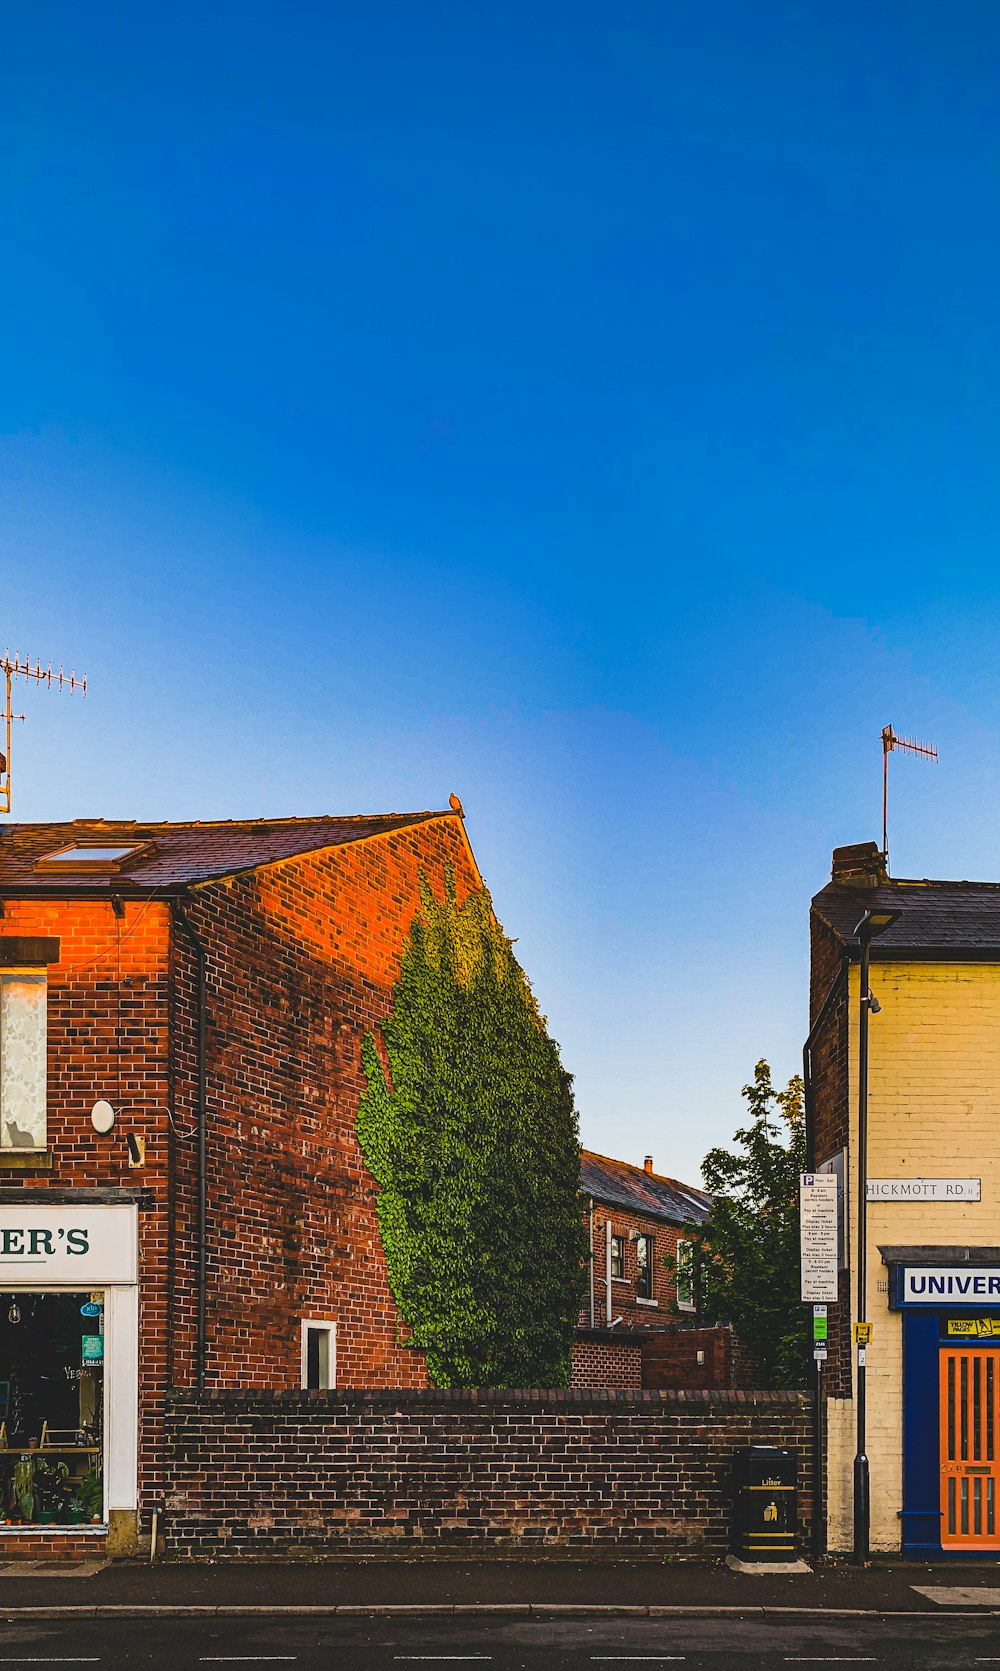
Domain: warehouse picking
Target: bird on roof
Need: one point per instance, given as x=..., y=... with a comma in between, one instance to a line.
x=456, y=805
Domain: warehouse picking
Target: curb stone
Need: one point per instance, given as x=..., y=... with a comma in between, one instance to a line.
x=538, y=1610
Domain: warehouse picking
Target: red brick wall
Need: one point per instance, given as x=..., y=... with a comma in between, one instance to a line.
x=300, y=960
x=301, y=956
x=108, y=1017
x=606, y=1361
x=471, y=1473
x=624, y=1302
x=670, y=1359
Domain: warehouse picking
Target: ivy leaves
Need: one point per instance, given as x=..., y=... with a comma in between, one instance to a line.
x=473, y=1139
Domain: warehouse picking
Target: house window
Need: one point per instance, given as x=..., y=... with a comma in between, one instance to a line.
x=684, y=1275
x=644, y=1267
x=618, y=1257
x=22, y=1059
x=319, y=1355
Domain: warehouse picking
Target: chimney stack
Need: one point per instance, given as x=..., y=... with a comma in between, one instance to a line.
x=860, y=866
x=648, y=1163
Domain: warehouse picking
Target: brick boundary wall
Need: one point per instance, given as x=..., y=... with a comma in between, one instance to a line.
x=670, y=1358
x=451, y=1474
x=603, y=1359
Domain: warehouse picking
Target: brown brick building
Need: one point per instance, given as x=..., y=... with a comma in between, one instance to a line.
x=207, y=988
x=635, y=1218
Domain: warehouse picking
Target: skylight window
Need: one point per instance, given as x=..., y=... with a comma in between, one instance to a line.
x=99, y=857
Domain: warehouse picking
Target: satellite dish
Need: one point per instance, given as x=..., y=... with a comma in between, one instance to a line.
x=102, y=1117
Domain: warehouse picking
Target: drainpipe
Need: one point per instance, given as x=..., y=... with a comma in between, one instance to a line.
x=199, y=952
x=592, y=1261
x=607, y=1264
x=818, y=1480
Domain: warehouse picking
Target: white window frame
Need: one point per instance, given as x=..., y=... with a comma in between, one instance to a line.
x=650, y=1245
x=322, y=1325
x=37, y=973
x=684, y=1271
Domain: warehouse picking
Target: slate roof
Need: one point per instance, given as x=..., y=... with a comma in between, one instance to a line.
x=935, y=918
x=181, y=853
x=616, y=1184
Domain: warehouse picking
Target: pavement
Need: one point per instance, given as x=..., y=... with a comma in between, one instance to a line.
x=528, y=1589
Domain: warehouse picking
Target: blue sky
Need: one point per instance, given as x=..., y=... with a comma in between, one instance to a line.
x=592, y=409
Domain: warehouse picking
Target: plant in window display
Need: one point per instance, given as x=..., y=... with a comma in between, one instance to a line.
x=23, y=1487
x=51, y=1489
x=90, y=1493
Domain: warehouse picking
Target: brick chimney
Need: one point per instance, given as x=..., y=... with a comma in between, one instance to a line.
x=648, y=1163
x=860, y=866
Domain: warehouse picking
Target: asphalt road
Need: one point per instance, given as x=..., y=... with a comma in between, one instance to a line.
x=930, y=1641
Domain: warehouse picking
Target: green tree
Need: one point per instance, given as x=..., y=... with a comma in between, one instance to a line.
x=473, y=1139
x=745, y=1260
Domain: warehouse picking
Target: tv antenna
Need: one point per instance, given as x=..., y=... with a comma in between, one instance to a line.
x=889, y=742
x=16, y=668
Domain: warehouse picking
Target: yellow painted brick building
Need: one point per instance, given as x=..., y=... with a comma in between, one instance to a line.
x=933, y=1427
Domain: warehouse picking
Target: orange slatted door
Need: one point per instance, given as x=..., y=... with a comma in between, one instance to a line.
x=970, y=1448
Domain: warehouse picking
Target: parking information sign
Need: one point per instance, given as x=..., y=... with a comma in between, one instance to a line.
x=818, y=1235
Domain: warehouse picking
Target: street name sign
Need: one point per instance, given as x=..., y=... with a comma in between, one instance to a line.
x=924, y=1189
x=818, y=1235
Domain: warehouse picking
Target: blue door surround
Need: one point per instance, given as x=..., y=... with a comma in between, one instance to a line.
x=930, y=1285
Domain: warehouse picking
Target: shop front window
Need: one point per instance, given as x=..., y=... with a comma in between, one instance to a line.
x=51, y=1408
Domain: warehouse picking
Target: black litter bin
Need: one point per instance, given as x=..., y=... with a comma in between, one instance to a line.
x=765, y=1504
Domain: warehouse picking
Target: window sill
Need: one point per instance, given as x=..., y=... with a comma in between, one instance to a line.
x=639, y=1300
x=620, y=1279
x=25, y=1160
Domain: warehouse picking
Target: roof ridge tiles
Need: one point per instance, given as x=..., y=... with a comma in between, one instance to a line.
x=223, y=823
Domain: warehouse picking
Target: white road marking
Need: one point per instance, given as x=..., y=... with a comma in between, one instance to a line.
x=437, y=1658
x=637, y=1659
x=245, y=1659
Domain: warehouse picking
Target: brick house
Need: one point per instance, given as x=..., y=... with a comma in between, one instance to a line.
x=182, y=1198
x=933, y=1201
x=635, y=1217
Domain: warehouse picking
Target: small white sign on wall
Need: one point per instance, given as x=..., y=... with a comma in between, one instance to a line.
x=818, y=1235
x=924, y=1189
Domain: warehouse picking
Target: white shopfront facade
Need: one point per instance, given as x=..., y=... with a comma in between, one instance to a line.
x=85, y=1247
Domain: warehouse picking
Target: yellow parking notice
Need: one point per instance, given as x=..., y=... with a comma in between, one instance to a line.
x=862, y=1334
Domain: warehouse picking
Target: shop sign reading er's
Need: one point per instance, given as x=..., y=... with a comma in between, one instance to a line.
x=79, y=1246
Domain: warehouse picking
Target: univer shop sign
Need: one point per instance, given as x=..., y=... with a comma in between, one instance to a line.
x=67, y=1246
x=944, y=1286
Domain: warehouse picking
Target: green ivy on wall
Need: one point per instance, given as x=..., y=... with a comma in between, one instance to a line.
x=473, y=1140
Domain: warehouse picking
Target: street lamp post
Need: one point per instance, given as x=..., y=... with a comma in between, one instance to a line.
x=873, y=923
